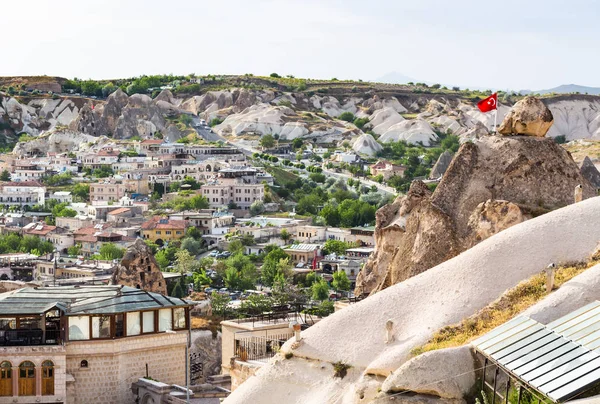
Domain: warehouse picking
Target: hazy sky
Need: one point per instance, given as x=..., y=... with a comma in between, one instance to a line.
x=517, y=44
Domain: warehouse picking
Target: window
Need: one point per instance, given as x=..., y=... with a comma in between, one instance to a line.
x=5, y=379
x=47, y=378
x=148, y=321
x=27, y=379
x=158, y=232
x=79, y=328
x=179, y=318
x=133, y=323
x=165, y=319
x=119, y=330
x=84, y=364
x=101, y=327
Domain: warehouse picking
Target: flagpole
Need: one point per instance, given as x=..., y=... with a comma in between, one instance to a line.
x=496, y=119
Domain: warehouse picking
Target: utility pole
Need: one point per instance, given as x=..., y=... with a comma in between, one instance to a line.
x=54, y=272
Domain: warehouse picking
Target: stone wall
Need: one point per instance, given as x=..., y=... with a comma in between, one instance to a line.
x=113, y=365
x=240, y=372
x=37, y=355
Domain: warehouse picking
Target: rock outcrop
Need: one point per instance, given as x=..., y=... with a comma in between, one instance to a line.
x=528, y=117
x=366, y=144
x=491, y=184
x=441, y=165
x=139, y=269
x=429, y=374
x=590, y=172
x=59, y=141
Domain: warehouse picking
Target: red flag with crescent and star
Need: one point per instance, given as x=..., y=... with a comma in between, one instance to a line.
x=488, y=104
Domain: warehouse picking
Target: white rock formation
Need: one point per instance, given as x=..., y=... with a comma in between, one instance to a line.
x=412, y=131
x=430, y=373
x=366, y=144
x=259, y=118
x=419, y=307
x=382, y=119
x=575, y=119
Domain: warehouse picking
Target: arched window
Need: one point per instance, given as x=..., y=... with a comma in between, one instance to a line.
x=47, y=378
x=83, y=364
x=27, y=379
x=5, y=379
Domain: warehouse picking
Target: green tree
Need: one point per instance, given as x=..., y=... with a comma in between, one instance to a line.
x=257, y=208
x=273, y=265
x=331, y=215
x=241, y=273
x=110, y=251
x=74, y=250
x=5, y=175
x=275, y=75
x=219, y=304
x=267, y=141
x=256, y=304
x=185, y=262
x=191, y=245
x=178, y=291
x=81, y=191
x=320, y=290
x=236, y=247
x=201, y=280
x=335, y=246
x=341, y=281
x=285, y=235
x=162, y=260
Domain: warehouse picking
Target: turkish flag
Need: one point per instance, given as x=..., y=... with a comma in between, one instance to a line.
x=488, y=104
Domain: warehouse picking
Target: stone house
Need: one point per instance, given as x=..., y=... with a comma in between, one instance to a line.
x=105, y=192
x=80, y=345
x=386, y=169
x=160, y=229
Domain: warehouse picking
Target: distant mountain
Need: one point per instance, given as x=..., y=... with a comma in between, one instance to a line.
x=395, y=78
x=565, y=89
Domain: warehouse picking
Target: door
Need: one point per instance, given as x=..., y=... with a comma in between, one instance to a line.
x=47, y=378
x=5, y=379
x=27, y=379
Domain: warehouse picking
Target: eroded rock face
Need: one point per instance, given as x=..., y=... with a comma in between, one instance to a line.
x=590, y=172
x=491, y=184
x=492, y=216
x=527, y=117
x=441, y=165
x=207, y=346
x=428, y=374
x=139, y=269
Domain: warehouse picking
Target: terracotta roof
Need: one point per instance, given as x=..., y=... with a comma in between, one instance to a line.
x=87, y=239
x=152, y=141
x=84, y=231
x=22, y=184
x=159, y=223
x=42, y=232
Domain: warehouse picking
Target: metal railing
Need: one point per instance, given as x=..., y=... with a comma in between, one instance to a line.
x=258, y=348
x=30, y=337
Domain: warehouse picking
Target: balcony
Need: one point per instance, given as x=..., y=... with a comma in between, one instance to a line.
x=30, y=337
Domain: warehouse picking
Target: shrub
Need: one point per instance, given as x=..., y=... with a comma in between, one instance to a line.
x=561, y=139
x=341, y=369
x=275, y=75
x=347, y=116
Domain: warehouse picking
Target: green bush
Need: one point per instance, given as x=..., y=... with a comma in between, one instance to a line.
x=561, y=139
x=347, y=116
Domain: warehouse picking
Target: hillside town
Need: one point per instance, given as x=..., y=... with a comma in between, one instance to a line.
x=249, y=203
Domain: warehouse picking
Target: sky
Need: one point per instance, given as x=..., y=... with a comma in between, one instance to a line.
x=501, y=44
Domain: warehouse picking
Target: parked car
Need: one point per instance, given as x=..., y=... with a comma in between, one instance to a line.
x=209, y=290
x=213, y=253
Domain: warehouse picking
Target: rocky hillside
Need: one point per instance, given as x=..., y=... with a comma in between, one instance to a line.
x=492, y=183
x=379, y=367
x=389, y=112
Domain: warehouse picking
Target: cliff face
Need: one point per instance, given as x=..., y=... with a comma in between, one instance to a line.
x=492, y=183
x=139, y=269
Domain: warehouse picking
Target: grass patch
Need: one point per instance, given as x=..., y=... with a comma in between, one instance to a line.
x=282, y=176
x=510, y=304
x=409, y=116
